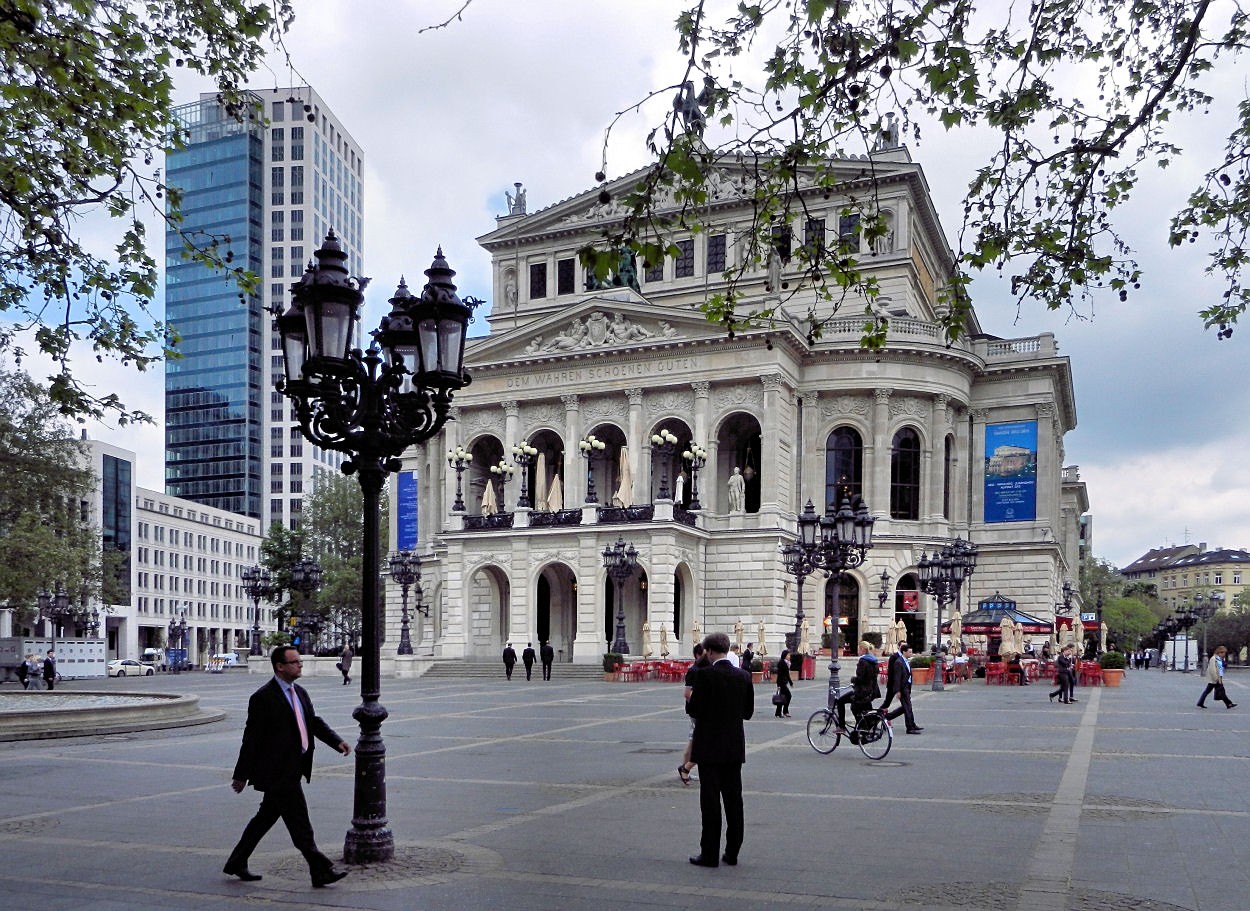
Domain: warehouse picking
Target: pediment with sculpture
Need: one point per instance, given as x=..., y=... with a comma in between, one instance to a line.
x=598, y=330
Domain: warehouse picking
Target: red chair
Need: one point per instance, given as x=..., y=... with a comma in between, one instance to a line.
x=630, y=672
x=1091, y=673
x=995, y=673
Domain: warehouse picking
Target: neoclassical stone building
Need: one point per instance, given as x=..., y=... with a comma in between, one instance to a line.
x=941, y=440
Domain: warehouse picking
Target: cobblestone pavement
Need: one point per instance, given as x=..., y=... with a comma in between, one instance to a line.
x=564, y=795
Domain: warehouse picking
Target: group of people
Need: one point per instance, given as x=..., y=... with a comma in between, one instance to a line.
x=865, y=688
x=1065, y=675
x=30, y=672
x=528, y=657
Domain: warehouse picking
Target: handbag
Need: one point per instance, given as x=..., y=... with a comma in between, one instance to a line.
x=779, y=698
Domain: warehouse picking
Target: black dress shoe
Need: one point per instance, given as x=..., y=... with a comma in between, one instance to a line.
x=732, y=861
x=915, y=730
x=700, y=861
x=242, y=873
x=328, y=877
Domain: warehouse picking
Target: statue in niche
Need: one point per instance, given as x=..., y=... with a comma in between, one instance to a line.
x=737, y=491
x=626, y=272
x=572, y=337
x=885, y=243
x=509, y=290
x=774, y=272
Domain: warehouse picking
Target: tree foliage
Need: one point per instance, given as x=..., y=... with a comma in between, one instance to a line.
x=85, y=106
x=46, y=538
x=1077, y=96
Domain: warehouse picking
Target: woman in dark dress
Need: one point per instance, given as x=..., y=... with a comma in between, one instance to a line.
x=782, y=672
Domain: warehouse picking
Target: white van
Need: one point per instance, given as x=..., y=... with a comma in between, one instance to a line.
x=155, y=657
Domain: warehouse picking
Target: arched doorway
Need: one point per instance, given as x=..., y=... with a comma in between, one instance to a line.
x=666, y=468
x=907, y=609
x=555, y=609
x=681, y=620
x=633, y=591
x=607, y=467
x=544, y=469
x=849, y=623
x=490, y=594
x=486, y=451
x=739, y=446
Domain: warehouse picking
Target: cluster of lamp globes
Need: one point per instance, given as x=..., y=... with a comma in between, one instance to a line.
x=459, y=455
x=695, y=453
x=592, y=444
x=523, y=450
x=662, y=438
x=504, y=469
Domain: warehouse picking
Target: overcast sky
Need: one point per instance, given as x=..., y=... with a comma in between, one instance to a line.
x=450, y=119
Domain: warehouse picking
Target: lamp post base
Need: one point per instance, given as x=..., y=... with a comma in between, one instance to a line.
x=370, y=839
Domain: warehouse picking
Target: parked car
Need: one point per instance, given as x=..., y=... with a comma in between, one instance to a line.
x=129, y=667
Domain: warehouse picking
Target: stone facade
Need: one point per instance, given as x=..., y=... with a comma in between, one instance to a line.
x=907, y=427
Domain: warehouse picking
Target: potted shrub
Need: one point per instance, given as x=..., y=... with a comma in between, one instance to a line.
x=874, y=637
x=757, y=670
x=826, y=642
x=611, y=661
x=1112, y=664
x=921, y=669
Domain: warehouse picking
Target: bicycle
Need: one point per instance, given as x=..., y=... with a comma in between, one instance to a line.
x=872, y=732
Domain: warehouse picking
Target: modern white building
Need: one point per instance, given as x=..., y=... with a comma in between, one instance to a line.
x=941, y=439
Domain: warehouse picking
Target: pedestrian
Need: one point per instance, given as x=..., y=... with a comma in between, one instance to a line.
x=345, y=664
x=700, y=661
x=49, y=670
x=748, y=656
x=546, y=654
x=721, y=699
x=528, y=657
x=23, y=673
x=1215, y=680
x=509, y=659
x=1065, y=675
x=864, y=688
x=782, y=675
x=898, y=683
x=277, y=751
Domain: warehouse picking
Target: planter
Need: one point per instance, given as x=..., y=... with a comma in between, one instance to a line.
x=610, y=676
x=1111, y=676
x=921, y=675
x=757, y=676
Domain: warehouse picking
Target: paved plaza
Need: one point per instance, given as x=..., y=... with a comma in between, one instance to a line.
x=564, y=795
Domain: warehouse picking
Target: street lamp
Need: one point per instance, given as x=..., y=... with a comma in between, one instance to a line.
x=884, y=594
x=696, y=455
x=371, y=405
x=257, y=584
x=306, y=579
x=1185, y=619
x=523, y=455
x=406, y=571
x=178, y=634
x=504, y=471
x=591, y=448
x=942, y=576
x=663, y=444
x=620, y=562
x=1206, y=607
x=56, y=609
x=459, y=459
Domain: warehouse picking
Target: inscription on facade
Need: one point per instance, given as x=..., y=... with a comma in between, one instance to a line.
x=575, y=375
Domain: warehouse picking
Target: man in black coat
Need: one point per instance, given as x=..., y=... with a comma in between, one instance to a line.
x=528, y=657
x=898, y=683
x=49, y=670
x=509, y=659
x=721, y=698
x=277, y=752
x=548, y=655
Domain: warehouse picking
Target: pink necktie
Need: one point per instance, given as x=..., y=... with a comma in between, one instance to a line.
x=299, y=720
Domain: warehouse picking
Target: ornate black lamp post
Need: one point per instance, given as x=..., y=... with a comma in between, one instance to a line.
x=504, y=472
x=942, y=577
x=306, y=579
x=459, y=459
x=663, y=444
x=696, y=455
x=1205, y=607
x=620, y=561
x=178, y=634
x=523, y=455
x=797, y=560
x=257, y=584
x=1185, y=620
x=1170, y=628
x=591, y=449
x=406, y=571
x=57, y=609
x=883, y=595
x=372, y=405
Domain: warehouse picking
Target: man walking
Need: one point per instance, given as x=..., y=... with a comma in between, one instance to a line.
x=528, y=657
x=1215, y=680
x=509, y=659
x=898, y=682
x=277, y=751
x=548, y=655
x=721, y=698
x=345, y=664
x=49, y=670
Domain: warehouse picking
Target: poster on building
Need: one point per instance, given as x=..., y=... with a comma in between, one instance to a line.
x=1011, y=472
x=406, y=511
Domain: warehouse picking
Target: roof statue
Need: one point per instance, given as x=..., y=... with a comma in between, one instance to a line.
x=516, y=204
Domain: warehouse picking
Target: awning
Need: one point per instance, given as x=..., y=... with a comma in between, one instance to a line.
x=987, y=619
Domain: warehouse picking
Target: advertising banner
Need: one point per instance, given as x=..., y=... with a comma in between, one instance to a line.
x=1011, y=472
x=406, y=511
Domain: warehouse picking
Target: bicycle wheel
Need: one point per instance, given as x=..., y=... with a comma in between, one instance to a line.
x=822, y=731
x=875, y=737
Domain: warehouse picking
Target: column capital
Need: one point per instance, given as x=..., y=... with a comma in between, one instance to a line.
x=882, y=394
x=702, y=388
x=772, y=382
x=570, y=402
x=511, y=408
x=634, y=394
x=809, y=399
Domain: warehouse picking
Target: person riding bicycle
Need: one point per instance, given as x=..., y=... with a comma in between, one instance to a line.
x=864, y=687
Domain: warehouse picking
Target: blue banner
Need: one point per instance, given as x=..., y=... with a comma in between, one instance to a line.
x=1011, y=472
x=406, y=511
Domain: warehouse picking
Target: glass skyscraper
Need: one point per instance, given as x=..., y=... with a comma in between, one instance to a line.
x=267, y=189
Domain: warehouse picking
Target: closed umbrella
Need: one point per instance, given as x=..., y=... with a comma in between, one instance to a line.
x=1017, y=637
x=901, y=632
x=490, y=505
x=555, y=497
x=891, y=639
x=540, y=480
x=624, y=495
x=663, y=641
x=957, y=624
x=1006, y=637
x=1102, y=639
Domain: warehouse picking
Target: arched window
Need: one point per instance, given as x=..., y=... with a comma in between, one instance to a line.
x=948, y=475
x=844, y=464
x=905, y=475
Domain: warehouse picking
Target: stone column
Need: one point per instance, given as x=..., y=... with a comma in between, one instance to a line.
x=877, y=454
x=512, y=414
x=1049, y=469
x=938, y=428
x=773, y=450
x=639, y=448
x=574, y=464
x=702, y=391
x=812, y=454
x=976, y=472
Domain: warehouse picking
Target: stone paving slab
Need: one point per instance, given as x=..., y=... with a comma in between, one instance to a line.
x=564, y=795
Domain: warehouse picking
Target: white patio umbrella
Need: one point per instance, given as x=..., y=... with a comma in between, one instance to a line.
x=1102, y=638
x=1006, y=637
x=891, y=639
x=1018, y=637
x=540, y=480
x=490, y=505
x=957, y=626
x=555, y=496
x=900, y=629
x=624, y=495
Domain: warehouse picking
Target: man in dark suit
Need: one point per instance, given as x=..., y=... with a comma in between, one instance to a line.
x=49, y=670
x=548, y=655
x=509, y=659
x=721, y=698
x=898, y=683
x=528, y=657
x=277, y=752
